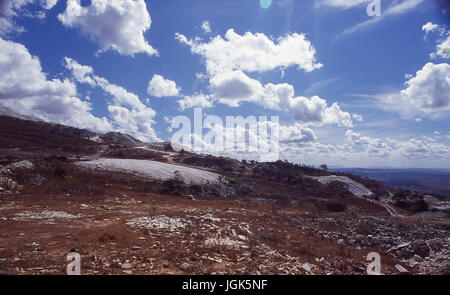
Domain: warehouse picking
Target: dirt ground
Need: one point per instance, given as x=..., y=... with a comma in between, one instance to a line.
x=119, y=226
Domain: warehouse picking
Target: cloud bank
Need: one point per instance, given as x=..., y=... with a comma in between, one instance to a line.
x=24, y=87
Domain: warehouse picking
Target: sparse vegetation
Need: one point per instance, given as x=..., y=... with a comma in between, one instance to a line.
x=335, y=207
x=78, y=149
x=365, y=228
x=174, y=185
x=106, y=237
x=60, y=170
x=411, y=201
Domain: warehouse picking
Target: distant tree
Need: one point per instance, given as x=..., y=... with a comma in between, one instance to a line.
x=324, y=167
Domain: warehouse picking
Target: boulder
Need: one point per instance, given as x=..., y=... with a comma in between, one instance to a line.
x=421, y=249
x=307, y=266
x=435, y=245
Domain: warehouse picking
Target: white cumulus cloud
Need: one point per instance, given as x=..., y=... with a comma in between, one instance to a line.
x=254, y=52
x=114, y=25
x=25, y=88
x=129, y=114
x=443, y=44
x=11, y=9
x=307, y=110
x=443, y=48
x=233, y=87
x=161, y=87
x=429, y=27
x=196, y=100
x=229, y=61
x=427, y=94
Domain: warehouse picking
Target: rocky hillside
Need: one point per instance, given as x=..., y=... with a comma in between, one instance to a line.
x=132, y=207
x=5, y=112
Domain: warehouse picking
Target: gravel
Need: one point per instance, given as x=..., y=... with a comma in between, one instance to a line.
x=46, y=214
x=9, y=185
x=25, y=164
x=158, y=222
x=152, y=169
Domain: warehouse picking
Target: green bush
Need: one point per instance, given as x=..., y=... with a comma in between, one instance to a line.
x=60, y=170
x=174, y=185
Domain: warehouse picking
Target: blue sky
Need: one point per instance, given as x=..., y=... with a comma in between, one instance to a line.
x=350, y=89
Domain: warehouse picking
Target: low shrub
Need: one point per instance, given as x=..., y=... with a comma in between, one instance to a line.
x=335, y=207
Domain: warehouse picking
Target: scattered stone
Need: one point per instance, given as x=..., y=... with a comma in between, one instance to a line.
x=36, y=179
x=400, y=268
x=242, y=238
x=275, y=270
x=39, y=248
x=435, y=245
x=158, y=222
x=226, y=242
x=341, y=266
x=5, y=171
x=307, y=266
x=25, y=164
x=417, y=258
x=46, y=214
x=9, y=185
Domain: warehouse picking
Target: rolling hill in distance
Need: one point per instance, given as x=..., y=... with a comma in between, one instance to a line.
x=414, y=179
